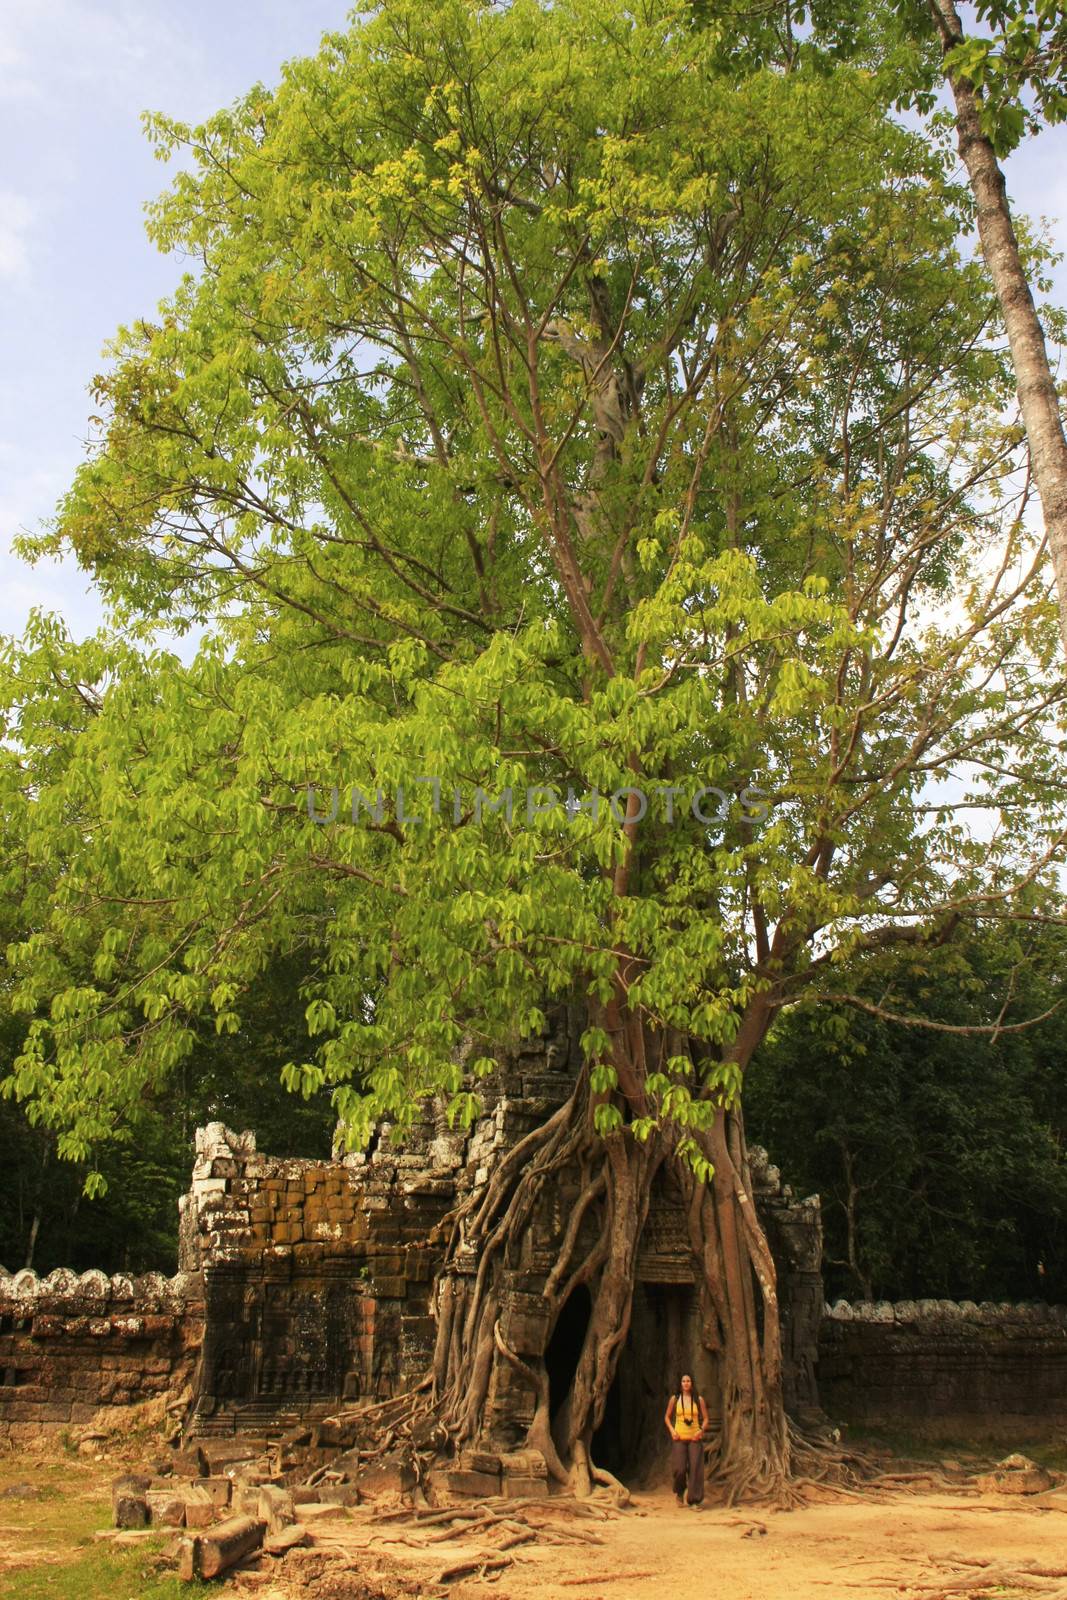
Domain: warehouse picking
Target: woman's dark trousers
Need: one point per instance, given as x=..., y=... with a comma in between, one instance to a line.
x=687, y=1461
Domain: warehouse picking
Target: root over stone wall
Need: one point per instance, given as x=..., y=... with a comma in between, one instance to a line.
x=318, y=1275
x=306, y=1285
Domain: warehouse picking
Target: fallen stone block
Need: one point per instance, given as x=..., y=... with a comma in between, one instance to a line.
x=253, y=1575
x=1015, y=1475
x=128, y=1503
x=332, y=1433
x=286, y=1539
x=222, y=1454
x=251, y=1477
x=326, y=1511
x=524, y=1463
x=520, y=1488
x=478, y=1461
x=189, y=1463
x=206, y=1555
x=477, y=1484
x=393, y=1474
x=166, y=1508
x=244, y=1501
x=220, y=1490
x=295, y=1437
x=275, y=1507
x=200, y=1510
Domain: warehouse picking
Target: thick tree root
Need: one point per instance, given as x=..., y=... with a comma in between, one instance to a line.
x=464, y=1401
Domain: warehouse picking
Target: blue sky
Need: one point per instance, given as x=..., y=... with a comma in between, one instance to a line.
x=74, y=175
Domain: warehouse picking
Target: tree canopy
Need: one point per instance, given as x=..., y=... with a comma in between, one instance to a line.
x=561, y=401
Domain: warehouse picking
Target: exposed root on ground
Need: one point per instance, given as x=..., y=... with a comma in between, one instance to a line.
x=500, y=1525
x=960, y=1574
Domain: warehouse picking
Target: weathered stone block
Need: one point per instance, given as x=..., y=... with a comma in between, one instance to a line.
x=524, y=1463
x=286, y=1539
x=189, y=1462
x=389, y=1288
x=166, y=1508
x=1016, y=1474
x=518, y=1488
x=392, y=1474
x=324, y=1511
x=218, y=1489
x=200, y=1509
x=208, y=1554
x=479, y=1461
x=275, y=1507
x=476, y=1484
x=128, y=1503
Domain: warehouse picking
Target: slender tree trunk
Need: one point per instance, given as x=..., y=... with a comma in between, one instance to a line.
x=31, y=1241
x=1036, y=387
x=739, y=1301
x=35, y=1221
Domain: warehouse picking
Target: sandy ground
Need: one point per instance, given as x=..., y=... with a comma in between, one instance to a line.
x=912, y=1545
x=903, y=1545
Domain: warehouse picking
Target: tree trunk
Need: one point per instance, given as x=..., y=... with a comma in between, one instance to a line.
x=1036, y=386
x=739, y=1292
x=596, y=1245
x=31, y=1241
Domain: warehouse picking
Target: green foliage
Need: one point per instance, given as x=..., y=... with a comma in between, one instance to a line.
x=131, y=1223
x=1018, y=64
x=566, y=399
x=100, y=1573
x=944, y=1150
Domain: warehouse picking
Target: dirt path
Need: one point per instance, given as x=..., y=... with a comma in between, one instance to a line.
x=913, y=1546
x=804, y=1555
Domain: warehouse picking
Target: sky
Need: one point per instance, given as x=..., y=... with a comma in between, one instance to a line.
x=75, y=173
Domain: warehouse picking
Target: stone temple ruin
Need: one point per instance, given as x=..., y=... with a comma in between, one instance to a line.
x=304, y=1286
x=317, y=1275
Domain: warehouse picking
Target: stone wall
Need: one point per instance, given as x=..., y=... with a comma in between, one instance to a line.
x=316, y=1279
x=996, y=1365
x=317, y=1274
x=70, y=1345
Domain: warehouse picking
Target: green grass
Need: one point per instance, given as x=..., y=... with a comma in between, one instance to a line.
x=102, y=1572
x=52, y=1519
x=46, y=1535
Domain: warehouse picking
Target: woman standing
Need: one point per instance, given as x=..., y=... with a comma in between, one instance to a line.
x=686, y=1418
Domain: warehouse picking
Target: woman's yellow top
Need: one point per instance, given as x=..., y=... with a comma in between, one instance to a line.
x=687, y=1424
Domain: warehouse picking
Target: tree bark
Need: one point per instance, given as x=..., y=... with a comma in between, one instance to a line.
x=1038, y=400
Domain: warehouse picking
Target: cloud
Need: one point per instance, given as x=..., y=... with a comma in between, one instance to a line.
x=129, y=52
x=16, y=221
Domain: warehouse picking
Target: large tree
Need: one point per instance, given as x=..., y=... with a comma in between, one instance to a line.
x=565, y=401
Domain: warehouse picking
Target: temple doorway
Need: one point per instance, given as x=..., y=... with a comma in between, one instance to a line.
x=663, y=1342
